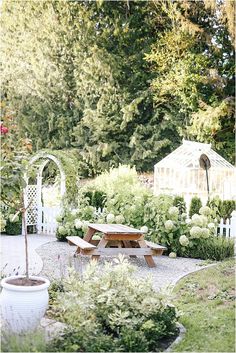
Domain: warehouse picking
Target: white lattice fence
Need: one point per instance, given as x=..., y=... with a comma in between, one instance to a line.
x=31, y=197
x=49, y=223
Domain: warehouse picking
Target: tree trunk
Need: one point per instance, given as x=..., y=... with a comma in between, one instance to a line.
x=26, y=243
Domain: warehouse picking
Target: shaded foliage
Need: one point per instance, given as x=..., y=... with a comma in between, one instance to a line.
x=122, y=81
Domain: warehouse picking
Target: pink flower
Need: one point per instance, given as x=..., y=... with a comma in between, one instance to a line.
x=4, y=130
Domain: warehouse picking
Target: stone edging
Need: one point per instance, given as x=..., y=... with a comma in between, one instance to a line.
x=182, y=331
x=174, y=282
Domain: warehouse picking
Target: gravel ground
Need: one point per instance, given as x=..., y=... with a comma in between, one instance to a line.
x=57, y=256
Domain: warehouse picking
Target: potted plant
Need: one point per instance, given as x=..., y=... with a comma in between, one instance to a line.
x=24, y=299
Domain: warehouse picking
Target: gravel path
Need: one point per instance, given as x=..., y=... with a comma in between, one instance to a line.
x=57, y=256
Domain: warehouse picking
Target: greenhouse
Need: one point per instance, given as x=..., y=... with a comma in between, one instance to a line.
x=180, y=173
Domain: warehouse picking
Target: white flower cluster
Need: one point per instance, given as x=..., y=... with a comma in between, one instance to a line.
x=199, y=220
x=74, y=211
x=205, y=211
x=111, y=218
x=144, y=229
x=184, y=240
x=120, y=219
x=78, y=224
x=198, y=232
x=173, y=212
x=172, y=255
x=201, y=227
x=169, y=225
x=195, y=232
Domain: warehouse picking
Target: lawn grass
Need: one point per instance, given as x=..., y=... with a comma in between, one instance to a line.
x=207, y=302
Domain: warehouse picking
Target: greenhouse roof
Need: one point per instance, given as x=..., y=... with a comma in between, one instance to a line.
x=187, y=155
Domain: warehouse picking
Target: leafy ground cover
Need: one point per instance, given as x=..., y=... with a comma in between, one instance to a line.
x=207, y=301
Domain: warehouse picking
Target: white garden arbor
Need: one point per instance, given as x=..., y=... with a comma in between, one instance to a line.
x=180, y=173
x=42, y=217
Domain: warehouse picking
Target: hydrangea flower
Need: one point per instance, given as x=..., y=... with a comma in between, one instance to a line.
x=199, y=220
x=188, y=221
x=205, y=211
x=211, y=226
x=203, y=220
x=61, y=230
x=184, y=215
x=169, y=225
x=59, y=218
x=184, y=240
x=173, y=211
x=85, y=226
x=110, y=218
x=195, y=232
x=172, y=255
x=195, y=219
x=120, y=219
x=78, y=224
x=205, y=233
x=144, y=229
x=74, y=211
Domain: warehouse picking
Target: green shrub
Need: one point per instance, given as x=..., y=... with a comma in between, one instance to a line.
x=13, y=228
x=215, y=204
x=180, y=203
x=191, y=238
x=74, y=222
x=170, y=226
x=195, y=206
x=112, y=311
x=28, y=342
x=222, y=208
x=54, y=288
x=213, y=248
x=10, y=221
x=226, y=208
x=96, y=198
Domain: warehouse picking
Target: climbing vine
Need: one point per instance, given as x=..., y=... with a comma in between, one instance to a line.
x=69, y=163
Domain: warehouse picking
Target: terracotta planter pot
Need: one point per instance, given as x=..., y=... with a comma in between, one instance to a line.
x=22, y=307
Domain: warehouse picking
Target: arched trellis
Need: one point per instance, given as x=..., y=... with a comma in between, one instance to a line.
x=44, y=218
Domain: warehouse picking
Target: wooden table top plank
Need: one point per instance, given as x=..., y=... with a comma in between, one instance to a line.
x=114, y=228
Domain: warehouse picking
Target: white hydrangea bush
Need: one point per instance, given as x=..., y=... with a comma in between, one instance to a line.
x=75, y=221
x=180, y=233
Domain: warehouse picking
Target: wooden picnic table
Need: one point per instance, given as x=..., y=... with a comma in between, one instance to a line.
x=116, y=239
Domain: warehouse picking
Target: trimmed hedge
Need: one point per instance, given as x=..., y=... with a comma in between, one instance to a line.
x=213, y=248
x=195, y=206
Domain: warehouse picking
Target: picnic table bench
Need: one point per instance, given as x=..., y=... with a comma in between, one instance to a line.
x=116, y=239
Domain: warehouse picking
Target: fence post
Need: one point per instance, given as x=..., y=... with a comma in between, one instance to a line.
x=233, y=225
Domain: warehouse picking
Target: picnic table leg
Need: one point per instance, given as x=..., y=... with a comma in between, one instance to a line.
x=88, y=236
x=128, y=244
x=148, y=258
x=102, y=244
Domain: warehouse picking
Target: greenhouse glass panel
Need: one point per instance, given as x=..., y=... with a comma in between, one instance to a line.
x=180, y=173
